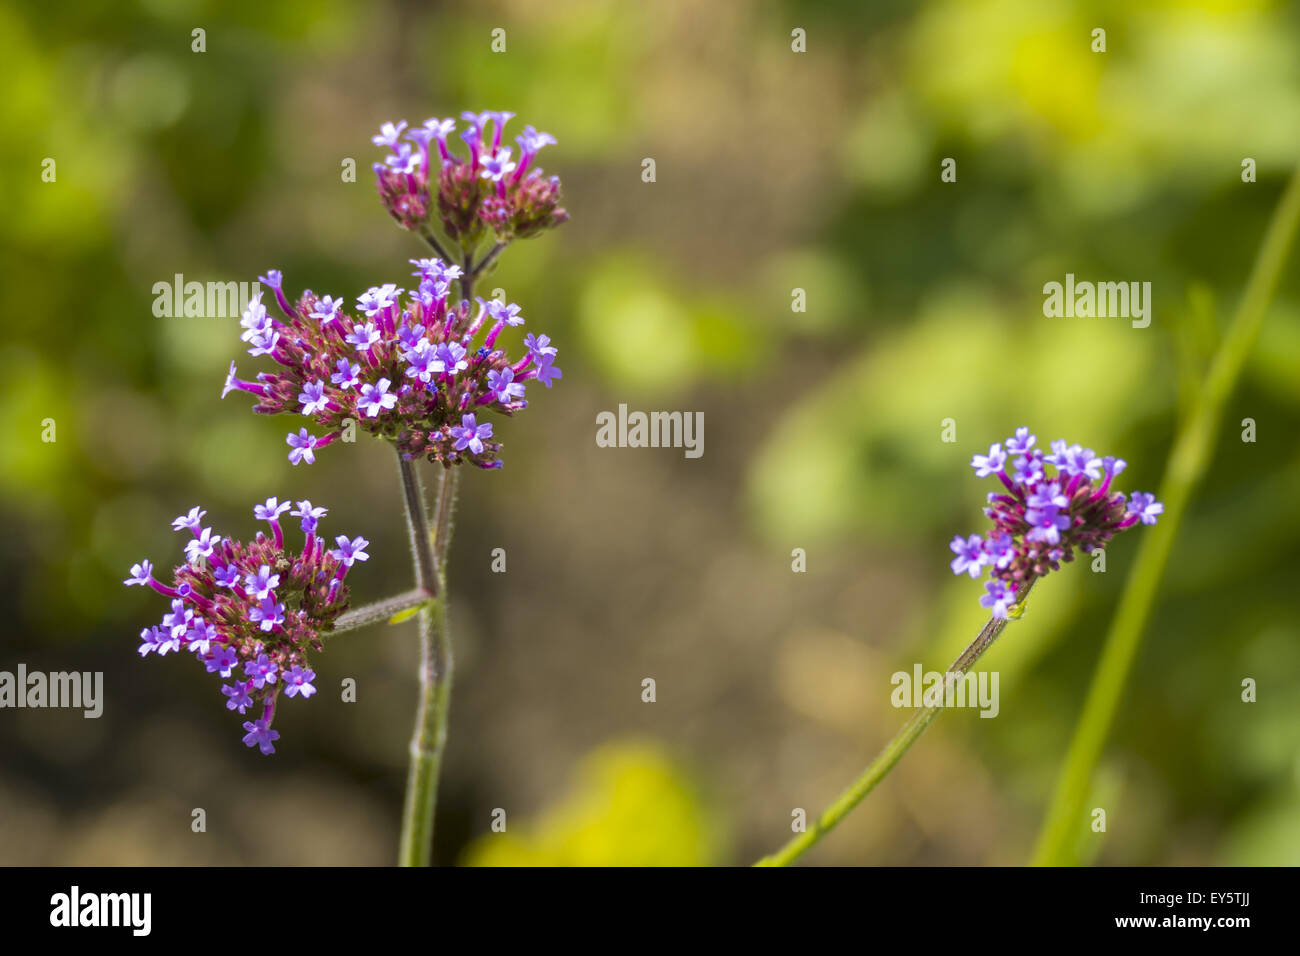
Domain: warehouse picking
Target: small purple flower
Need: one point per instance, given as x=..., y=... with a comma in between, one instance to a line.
x=410, y=336
x=436, y=269
x=999, y=599
x=240, y=699
x=502, y=311
x=140, y=573
x=1080, y=461
x=1113, y=466
x=261, y=671
x=423, y=361
x=377, y=298
x=168, y=643
x=1029, y=469
x=499, y=119
x=530, y=141
x=405, y=160
x=376, y=398
x=261, y=583
x=313, y=397
x=451, y=356
x=202, y=546
x=272, y=510
x=191, y=522
x=200, y=636
x=298, y=681
x=546, y=370
x=1047, y=496
x=389, y=134
x=1145, y=506
x=261, y=735
x=1001, y=551
x=1044, y=514
x=178, y=621
x=267, y=614
x=310, y=516
x=503, y=386
x=989, y=464
x=346, y=376
x=971, y=556
x=302, y=447
x=350, y=551
x=1059, y=452
x=538, y=345
x=233, y=383
x=497, y=166
x=264, y=343
x=364, y=336
x=150, y=640
x=227, y=576
x=1021, y=442
x=327, y=309
x=222, y=661
x=441, y=129
x=469, y=434
x=255, y=321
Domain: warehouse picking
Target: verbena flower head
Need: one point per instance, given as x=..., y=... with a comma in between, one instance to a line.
x=1052, y=505
x=250, y=612
x=496, y=188
x=411, y=368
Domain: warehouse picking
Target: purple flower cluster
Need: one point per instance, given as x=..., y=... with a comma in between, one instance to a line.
x=407, y=368
x=250, y=612
x=1052, y=504
x=492, y=188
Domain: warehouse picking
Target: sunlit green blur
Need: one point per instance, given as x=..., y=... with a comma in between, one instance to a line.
x=776, y=171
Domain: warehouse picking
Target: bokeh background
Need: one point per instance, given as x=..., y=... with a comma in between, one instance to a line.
x=776, y=170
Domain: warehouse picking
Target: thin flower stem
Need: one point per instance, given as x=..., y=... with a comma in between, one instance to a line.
x=380, y=610
x=430, y=735
x=445, y=512
x=427, y=235
x=429, y=738
x=1188, y=462
x=879, y=768
x=429, y=545
x=489, y=258
x=417, y=523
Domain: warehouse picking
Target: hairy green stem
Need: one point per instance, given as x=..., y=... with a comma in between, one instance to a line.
x=879, y=768
x=380, y=610
x=429, y=738
x=1191, y=455
x=429, y=545
x=430, y=734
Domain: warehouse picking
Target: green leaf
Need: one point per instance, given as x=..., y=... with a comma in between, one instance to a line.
x=409, y=613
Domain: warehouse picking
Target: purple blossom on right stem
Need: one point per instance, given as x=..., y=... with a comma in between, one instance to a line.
x=1050, y=505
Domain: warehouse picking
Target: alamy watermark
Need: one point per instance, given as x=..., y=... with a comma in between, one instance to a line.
x=933, y=689
x=70, y=689
x=75, y=909
x=651, y=430
x=1128, y=300
x=201, y=300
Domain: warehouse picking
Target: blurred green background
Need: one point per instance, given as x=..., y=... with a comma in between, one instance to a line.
x=776, y=170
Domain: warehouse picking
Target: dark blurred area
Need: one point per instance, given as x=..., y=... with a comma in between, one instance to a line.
x=775, y=171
